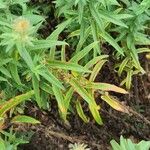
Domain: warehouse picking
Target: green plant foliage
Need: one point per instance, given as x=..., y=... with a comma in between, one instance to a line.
x=13, y=102
x=41, y=69
x=122, y=24
x=24, y=119
x=11, y=140
x=127, y=144
x=64, y=65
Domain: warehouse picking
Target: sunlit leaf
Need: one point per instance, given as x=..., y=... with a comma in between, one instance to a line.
x=106, y=87
x=115, y=104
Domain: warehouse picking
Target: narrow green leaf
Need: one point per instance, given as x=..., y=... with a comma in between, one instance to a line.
x=84, y=52
x=25, y=55
x=54, y=35
x=5, y=71
x=82, y=92
x=111, y=41
x=95, y=114
x=129, y=79
x=115, y=145
x=2, y=144
x=95, y=60
x=96, y=70
x=80, y=112
x=95, y=38
x=122, y=65
x=60, y=100
x=68, y=96
x=110, y=18
x=24, y=119
x=46, y=87
x=14, y=72
x=5, y=61
x=63, y=55
x=51, y=78
x=45, y=44
x=84, y=34
x=3, y=79
x=14, y=101
x=88, y=98
x=67, y=66
x=35, y=84
x=143, y=50
x=144, y=5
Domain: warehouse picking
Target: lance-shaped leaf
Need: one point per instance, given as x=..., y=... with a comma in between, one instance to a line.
x=45, y=44
x=111, y=17
x=110, y=40
x=96, y=70
x=60, y=100
x=81, y=112
x=24, y=119
x=67, y=66
x=122, y=65
x=88, y=98
x=114, y=103
x=106, y=87
x=82, y=91
x=95, y=114
x=68, y=96
x=54, y=35
x=129, y=79
x=143, y=50
x=83, y=52
x=95, y=60
x=51, y=78
x=25, y=55
x=14, y=72
x=15, y=101
x=46, y=87
x=35, y=83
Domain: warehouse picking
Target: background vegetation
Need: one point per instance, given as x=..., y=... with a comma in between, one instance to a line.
x=62, y=62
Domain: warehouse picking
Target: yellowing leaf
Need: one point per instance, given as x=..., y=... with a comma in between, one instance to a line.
x=96, y=69
x=88, y=97
x=106, y=87
x=96, y=114
x=15, y=101
x=114, y=103
x=61, y=101
x=80, y=112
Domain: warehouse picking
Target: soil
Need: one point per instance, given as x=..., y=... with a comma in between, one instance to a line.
x=53, y=134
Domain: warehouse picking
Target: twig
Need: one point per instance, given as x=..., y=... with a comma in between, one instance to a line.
x=70, y=138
